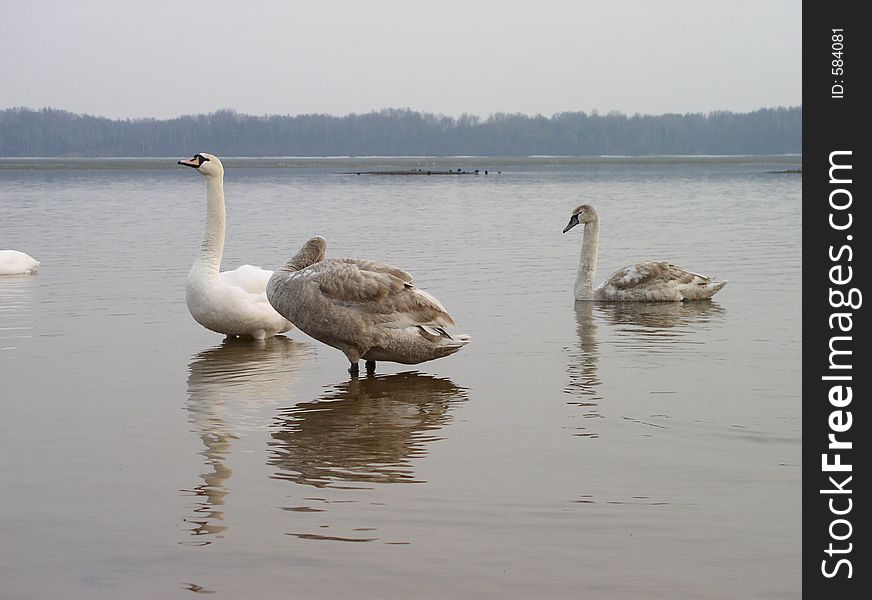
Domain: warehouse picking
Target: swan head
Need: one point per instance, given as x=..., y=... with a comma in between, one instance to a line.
x=207, y=164
x=583, y=214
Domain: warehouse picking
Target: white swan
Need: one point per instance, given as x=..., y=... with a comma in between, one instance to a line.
x=642, y=282
x=365, y=309
x=13, y=262
x=229, y=302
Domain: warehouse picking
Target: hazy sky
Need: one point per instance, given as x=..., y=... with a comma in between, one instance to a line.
x=155, y=58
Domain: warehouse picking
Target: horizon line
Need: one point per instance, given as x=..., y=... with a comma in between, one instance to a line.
x=591, y=113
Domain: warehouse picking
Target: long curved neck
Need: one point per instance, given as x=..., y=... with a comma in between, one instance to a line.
x=587, y=261
x=213, y=242
x=309, y=254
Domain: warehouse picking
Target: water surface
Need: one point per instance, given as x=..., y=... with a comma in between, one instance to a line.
x=590, y=451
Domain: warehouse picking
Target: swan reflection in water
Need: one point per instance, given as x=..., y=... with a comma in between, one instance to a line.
x=650, y=327
x=583, y=368
x=362, y=431
x=227, y=387
x=16, y=311
x=654, y=325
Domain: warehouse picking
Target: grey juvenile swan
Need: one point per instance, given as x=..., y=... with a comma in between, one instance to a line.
x=363, y=308
x=642, y=282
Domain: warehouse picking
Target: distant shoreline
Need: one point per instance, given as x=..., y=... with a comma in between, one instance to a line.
x=55, y=133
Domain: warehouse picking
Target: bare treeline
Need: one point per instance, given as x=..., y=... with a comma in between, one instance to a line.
x=398, y=132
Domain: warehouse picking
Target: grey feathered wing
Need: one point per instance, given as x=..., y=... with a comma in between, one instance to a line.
x=383, y=294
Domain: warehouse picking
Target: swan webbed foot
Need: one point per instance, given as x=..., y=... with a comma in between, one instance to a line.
x=354, y=369
x=370, y=367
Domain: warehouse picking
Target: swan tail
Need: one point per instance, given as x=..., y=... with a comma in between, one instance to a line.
x=436, y=333
x=703, y=290
x=453, y=345
x=443, y=342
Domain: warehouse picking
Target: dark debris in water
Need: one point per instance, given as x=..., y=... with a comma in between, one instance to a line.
x=421, y=172
x=198, y=589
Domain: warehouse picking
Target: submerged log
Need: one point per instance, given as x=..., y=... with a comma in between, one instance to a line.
x=417, y=172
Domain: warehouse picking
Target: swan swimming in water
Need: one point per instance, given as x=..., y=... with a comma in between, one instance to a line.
x=230, y=302
x=642, y=282
x=13, y=262
x=363, y=308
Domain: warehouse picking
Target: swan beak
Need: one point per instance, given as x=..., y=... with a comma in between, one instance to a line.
x=573, y=221
x=190, y=162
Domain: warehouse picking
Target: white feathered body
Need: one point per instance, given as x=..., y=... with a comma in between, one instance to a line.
x=233, y=302
x=13, y=262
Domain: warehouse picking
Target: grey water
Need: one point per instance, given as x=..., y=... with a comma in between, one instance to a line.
x=570, y=451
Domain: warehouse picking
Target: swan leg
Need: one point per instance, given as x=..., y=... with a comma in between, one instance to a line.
x=370, y=366
x=353, y=357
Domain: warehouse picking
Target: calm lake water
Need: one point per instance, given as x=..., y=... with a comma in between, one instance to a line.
x=570, y=451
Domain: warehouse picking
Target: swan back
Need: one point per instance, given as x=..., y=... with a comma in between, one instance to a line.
x=247, y=277
x=656, y=282
x=13, y=262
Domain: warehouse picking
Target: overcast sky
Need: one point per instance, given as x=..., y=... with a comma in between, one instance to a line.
x=154, y=58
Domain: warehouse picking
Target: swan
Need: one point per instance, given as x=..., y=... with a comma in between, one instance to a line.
x=363, y=308
x=13, y=262
x=642, y=282
x=230, y=302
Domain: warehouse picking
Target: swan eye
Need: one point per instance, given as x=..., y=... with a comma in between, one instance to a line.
x=201, y=159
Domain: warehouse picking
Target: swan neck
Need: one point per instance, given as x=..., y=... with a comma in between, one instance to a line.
x=213, y=242
x=587, y=261
x=307, y=256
